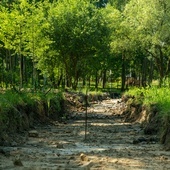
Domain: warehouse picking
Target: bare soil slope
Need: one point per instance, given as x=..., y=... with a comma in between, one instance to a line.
x=111, y=143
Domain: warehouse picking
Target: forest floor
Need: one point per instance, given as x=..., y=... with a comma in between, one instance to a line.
x=110, y=144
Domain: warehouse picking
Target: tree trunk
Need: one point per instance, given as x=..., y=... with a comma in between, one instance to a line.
x=59, y=80
x=89, y=82
x=96, y=80
x=123, y=72
x=84, y=81
x=150, y=73
x=21, y=71
x=104, y=78
x=34, y=76
x=144, y=70
x=161, y=67
x=68, y=81
x=160, y=64
x=25, y=71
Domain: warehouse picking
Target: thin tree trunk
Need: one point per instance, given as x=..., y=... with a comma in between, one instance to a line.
x=34, y=76
x=89, y=82
x=21, y=71
x=96, y=80
x=6, y=80
x=144, y=69
x=150, y=73
x=123, y=72
x=160, y=64
x=104, y=78
x=21, y=60
x=84, y=81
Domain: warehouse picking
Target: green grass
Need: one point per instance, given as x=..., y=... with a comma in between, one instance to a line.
x=153, y=95
x=10, y=100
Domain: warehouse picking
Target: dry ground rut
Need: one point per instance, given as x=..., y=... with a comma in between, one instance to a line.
x=110, y=144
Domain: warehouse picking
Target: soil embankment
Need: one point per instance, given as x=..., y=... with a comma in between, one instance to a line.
x=151, y=120
x=111, y=143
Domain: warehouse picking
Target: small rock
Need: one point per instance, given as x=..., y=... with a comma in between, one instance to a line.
x=163, y=158
x=153, y=139
x=13, y=144
x=17, y=162
x=83, y=157
x=135, y=141
x=142, y=139
x=60, y=145
x=87, y=166
x=5, y=151
x=167, y=148
x=33, y=133
x=71, y=157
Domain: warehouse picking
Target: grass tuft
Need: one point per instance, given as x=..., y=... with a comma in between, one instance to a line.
x=153, y=95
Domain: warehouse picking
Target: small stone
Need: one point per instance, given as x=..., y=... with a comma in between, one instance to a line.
x=5, y=152
x=33, y=133
x=71, y=157
x=87, y=165
x=135, y=141
x=163, y=158
x=153, y=139
x=142, y=139
x=83, y=157
x=17, y=162
x=13, y=144
x=59, y=145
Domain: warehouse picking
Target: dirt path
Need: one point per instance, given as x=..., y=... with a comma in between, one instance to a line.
x=111, y=144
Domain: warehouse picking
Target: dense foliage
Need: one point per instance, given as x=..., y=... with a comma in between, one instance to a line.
x=68, y=42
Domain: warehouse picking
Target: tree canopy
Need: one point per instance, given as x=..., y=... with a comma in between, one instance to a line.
x=60, y=43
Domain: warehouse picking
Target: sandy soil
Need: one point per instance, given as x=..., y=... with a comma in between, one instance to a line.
x=110, y=144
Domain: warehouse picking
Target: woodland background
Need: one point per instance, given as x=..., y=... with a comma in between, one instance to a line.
x=73, y=43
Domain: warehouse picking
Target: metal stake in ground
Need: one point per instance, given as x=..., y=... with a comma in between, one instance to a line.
x=86, y=103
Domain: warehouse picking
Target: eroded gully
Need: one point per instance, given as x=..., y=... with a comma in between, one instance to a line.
x=109, y=144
